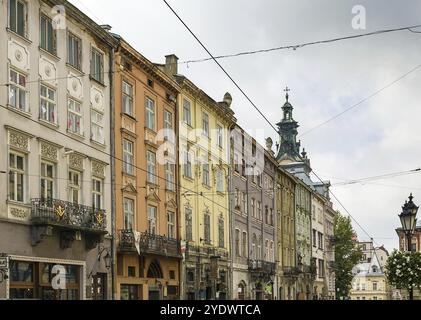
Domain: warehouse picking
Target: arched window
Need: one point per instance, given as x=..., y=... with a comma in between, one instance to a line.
x=154, y=270
x=259, y=248
x=241, y=291
x=253, y=246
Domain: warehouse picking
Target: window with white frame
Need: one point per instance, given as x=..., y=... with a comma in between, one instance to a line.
x=244, y=201
x=47, y=34
x=18, y=17
x=169, y=176
x=17, y=168
x=168, y=126
x=219, y=136
x=97, y=65
x=128, y=157
x=171, y=225
x=267, y=254
x=18, y=95
x=47, y=180
x=74, y=116
x=253, y=207
x=187, y=112
x=152, y=219
x=207, y=228
x=75, y=184
x=219, y=180
x=187, y=165
x=127, y=98
x=205, y=124
x=128, y=208
x=48, y=106
x=97, y=193
x=150, y=114
x=237, y=196
x=97, y=126
x=74, y=51
x=259, y=210
x=206, y=175
x=151, y=166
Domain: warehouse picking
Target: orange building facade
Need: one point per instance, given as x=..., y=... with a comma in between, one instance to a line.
x=147, y=238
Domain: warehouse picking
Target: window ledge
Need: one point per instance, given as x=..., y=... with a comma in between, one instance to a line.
x=52, y=55
x=49, y=124
x=101, y=83
x=124, y=114
x=18, y=203
x=188, y=178
x=26, y=114
x=24, y=38
x=131, y=175
x=98, y=144
x=73, y=68
x=76, y=135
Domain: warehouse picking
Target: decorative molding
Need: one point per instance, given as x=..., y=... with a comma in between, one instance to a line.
x=76, y=161
x=19, y=213
x=98, y=169
x=19, y=140
x=49, y=151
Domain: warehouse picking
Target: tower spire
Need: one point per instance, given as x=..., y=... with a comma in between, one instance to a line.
x=286, y=92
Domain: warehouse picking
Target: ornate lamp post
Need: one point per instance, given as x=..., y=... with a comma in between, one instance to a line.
x=408, y=219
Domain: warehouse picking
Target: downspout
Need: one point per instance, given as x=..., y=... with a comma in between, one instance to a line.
x=231, y=221
x=113, y=180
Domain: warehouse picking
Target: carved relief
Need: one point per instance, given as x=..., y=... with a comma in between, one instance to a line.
x=19, y=213
x=19, y=140
x=75, y=86
x=98, y=169
x=48, y=71
x=97, y=99
x=49, y=151
x=76, y=162
x=18, y=55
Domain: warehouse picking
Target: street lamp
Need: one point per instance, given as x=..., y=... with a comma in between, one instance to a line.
x=408, y=219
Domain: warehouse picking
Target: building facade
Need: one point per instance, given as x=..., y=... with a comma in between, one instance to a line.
x=204, y=171
x=329, y=254
x=318, y=246
x=146, y=179
x=55, y=211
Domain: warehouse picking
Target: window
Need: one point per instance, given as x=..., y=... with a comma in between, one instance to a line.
x=47, y=34
x=47, y=181
x=189, y=224
x=259, y=210
x=151, y=163
x=168, y=124
x=74, y=186
x=266, y=215
x=128, y=206
x=221, y=233
x=187, y=165
x=237, y=243
x=17, y=91
x=18, y=17
x=127, y=98
x=169, y=176
x=97, y=193
x=97, y=126
x=220, y=181
x=48, y=104
x=74, y=117
x=271, y=217
x=237, y=199
x=172, y=274
x=74, y=51
x=375, y=286
x=152, y=220
x=253, y=247
x=171, y=225
x=150, y=114
x=205, y=124
x=97, y=65
x=219, y=136
x=363, y=286
x=128, y=158
x=187, y=112
x=245, y=245
x=244, y=200
x=320, y=236
x=271, y=253
x=321, y=268
x=17, y=168
x=314, y=238
x=253, y=207
x=236, y=163
x=206, y=176
x=259, y=178
x=243, y=167
x=259, y=248
x=207, y=234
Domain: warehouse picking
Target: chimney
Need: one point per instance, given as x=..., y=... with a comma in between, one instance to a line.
x=106, y=27
x=171, y=64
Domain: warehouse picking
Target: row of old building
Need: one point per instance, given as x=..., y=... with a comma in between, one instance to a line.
x=124, y=180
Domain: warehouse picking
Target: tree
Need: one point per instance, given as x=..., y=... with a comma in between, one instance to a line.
x=347, y=254
x=403, y=270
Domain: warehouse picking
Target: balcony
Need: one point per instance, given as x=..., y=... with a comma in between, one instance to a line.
x=68, y=215
x=290, y=271
x=126, y=241
x=265, y=267
x=159, y=245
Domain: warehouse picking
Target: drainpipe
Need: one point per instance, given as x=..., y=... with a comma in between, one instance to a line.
x=113, y=171
x=231, y=222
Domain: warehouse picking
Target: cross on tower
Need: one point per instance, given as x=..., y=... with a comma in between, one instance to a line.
x=287, y=90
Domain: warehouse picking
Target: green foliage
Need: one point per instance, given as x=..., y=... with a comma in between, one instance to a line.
x=403, y=269
x=347, y=254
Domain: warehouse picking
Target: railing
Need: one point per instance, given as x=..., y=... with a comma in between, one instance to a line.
x=161, y=245
x=290, y=271
x=126, y=240
x=262, y=266
x=67, y=214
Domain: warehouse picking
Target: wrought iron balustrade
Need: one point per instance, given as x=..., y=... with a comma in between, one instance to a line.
x=262, y=266
x=126, y=240
x=67, y=214
x=160, y=245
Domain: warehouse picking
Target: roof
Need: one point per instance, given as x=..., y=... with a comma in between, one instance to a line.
x=371, y=268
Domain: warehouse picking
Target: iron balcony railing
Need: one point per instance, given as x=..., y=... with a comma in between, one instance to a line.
x=290, y=271
x=67, y=214
x=126, y=240
x=262, y=266
x=160, y=245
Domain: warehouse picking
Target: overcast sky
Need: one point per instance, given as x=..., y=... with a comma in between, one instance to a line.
x=380, y=136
